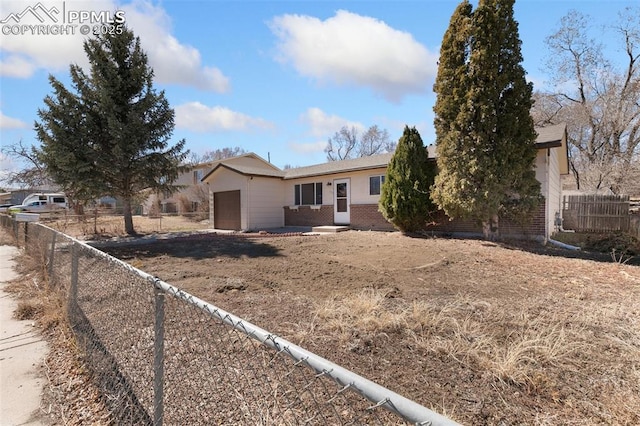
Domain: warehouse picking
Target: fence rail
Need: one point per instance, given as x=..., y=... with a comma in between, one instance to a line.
x=162, y=356
x=596, y=213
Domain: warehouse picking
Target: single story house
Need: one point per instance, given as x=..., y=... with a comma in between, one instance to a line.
x=249, y=193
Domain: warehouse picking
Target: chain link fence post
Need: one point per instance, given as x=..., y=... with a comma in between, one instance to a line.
x=51, y=256
x=73, y=289
x=214, y=367
x=158, y=357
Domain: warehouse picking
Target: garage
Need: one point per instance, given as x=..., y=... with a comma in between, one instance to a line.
x=226, y=210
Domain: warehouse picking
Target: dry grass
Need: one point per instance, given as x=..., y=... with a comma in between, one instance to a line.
x=113, y=226
x=558, y=343
x=69, y=397
x=364, y=313
x=519, y=354
x=38, y=300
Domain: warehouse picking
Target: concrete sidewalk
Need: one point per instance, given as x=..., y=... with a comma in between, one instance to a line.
x=22, y=352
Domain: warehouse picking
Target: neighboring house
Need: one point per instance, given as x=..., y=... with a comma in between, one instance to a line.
x=5, y=198
x=249, y=193
x=192, y=197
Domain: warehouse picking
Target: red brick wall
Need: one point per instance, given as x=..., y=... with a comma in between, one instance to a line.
x=305, y=216
x=363, y=216
x=442, y=224
x=367, y=217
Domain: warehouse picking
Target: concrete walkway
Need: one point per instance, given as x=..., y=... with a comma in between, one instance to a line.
x=22, y=352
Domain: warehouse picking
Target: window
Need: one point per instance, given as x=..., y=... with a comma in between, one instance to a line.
x=308, y=194
x=197, y=176
x=375, y=184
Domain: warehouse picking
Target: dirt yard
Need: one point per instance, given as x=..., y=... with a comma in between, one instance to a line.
x=484, y=333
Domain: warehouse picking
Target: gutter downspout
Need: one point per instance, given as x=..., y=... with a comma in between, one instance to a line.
x=547, y=231
x=248, y=204
x=563, y=245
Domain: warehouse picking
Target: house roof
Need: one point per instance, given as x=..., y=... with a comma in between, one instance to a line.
x=249, y=170
x=362, y=163
x=261, y=167
x=555, y=137
x=550, y=136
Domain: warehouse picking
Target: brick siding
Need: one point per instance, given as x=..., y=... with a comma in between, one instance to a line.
x=536, y=228
x=306, y=216
x=367, y=217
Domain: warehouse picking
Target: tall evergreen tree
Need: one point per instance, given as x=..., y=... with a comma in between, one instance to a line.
x=404, y=198
x=484, y=131
x=110, y=134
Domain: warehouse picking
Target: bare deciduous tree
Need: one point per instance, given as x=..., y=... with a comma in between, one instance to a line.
x=347, y=143
x=600, y=102
x=33, y=175
x=215, y=155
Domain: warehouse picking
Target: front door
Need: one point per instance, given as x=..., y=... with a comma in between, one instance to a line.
x=341, y=202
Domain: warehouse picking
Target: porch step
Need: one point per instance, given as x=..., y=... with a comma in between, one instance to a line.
x=328, y=228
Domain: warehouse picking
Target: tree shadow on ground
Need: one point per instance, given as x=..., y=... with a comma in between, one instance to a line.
x=537, y=247
x=201, y=248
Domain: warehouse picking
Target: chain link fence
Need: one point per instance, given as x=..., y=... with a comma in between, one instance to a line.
x=162, y=356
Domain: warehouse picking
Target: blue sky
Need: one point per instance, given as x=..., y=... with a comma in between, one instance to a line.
x=277, y=78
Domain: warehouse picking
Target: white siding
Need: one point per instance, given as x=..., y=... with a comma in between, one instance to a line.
x=227, y=180
x=265, y=203
x=554, y=200
x=359, y=186
x=541, y=171
x=548, y=174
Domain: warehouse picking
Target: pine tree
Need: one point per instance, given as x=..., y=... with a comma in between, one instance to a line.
x=404, y=198
x=484, y=131
x=110, y=134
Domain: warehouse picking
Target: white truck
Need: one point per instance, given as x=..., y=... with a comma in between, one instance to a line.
x=41, y=202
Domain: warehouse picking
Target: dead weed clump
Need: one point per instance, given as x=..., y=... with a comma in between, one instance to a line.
x=527, y=349
x=69, y=397
x=368, y=312
x=38, y=300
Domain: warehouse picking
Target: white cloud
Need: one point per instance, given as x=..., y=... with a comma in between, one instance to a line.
x=197, y=117
x=323, y=124
x=307, y=148
x=11, y=123
x=349, y=49
x=17, y=66
x=172, y=61
x=24, y=53
x=7, y=166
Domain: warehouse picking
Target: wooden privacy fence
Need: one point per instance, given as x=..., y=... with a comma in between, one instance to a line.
x=596, y=213
x=634, y=225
